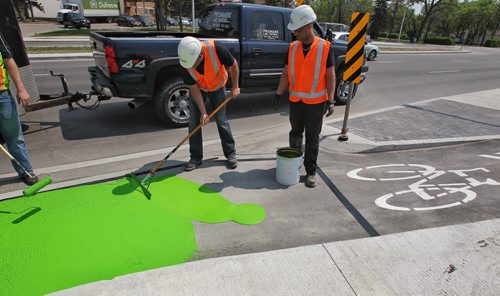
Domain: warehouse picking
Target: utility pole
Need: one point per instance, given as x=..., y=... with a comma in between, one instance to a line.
x=402, y=23
x=193, y=21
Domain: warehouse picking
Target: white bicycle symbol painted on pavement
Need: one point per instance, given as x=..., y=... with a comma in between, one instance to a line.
x=423, y=188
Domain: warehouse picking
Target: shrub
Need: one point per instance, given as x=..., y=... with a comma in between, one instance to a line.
x=492, y=43
x=438, y=40
x=382, y=35
x=393, y=35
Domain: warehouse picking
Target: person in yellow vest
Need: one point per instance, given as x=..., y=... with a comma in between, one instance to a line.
x=206, y=77
x=309, y=75
x=10, y=126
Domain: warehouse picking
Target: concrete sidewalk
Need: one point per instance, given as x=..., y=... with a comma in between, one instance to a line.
x=451, y=260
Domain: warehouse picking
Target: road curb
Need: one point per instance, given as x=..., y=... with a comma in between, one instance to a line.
x=423, y=51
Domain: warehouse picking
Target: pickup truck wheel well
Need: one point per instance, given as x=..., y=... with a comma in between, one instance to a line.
x=171, y=103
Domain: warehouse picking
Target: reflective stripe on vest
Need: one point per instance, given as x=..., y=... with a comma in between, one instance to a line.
x=215, y=75
x=4, y=79
x=300, y=87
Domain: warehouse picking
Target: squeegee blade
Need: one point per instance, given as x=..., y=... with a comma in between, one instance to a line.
x=137, y=183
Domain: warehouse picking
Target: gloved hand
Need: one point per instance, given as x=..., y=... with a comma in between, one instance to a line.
x=276, y=101
x=329, y=108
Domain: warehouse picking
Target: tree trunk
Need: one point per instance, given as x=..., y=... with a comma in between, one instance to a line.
x=484, y=37
x=391, y=26
x=429, y=23
x=180, y=16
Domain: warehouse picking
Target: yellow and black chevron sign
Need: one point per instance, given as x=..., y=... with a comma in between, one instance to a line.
x=356, y=47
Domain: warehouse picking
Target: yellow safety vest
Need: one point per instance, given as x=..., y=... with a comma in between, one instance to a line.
x=4, y=79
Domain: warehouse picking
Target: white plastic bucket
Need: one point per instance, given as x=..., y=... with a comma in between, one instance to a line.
x=288, y=162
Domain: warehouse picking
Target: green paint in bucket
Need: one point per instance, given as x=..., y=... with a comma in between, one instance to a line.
x=288, y=162
x=97, y=232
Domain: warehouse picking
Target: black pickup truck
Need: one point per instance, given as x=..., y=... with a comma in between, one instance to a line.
x=145, y=66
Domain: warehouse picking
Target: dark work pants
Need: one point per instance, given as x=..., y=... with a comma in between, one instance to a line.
x=309, y=118
x=226, y=137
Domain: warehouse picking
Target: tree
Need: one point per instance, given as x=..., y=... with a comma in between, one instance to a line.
x=475, y=19
x=339, y=11
x=428, y=8
x=22, y=6
x=379, y=20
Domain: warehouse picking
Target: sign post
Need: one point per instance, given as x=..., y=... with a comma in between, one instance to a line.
x=354, y=61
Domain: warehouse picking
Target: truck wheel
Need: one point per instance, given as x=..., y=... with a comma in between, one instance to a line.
x=172, y=103
x=342, y=89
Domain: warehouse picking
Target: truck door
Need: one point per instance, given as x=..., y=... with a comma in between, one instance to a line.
x=265, y=49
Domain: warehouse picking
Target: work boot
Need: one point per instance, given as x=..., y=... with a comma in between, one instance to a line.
x=192, y=164
x=311, y=181
x=28, y=180
x=232, y=162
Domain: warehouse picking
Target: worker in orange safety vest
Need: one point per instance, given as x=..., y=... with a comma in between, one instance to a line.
x=206, y=77
x=309, y=76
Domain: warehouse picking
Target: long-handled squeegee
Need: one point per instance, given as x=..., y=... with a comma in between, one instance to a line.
x=144, y=184
x=33, y=189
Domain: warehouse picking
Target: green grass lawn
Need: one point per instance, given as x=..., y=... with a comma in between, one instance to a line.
x=66, y=32
x=59, y=49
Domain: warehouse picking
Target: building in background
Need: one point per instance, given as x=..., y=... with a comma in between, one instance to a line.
x=139, y=7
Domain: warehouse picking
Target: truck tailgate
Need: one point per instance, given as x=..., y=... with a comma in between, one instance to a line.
x=97, y=42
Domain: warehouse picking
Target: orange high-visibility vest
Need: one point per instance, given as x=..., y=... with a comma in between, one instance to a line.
x=215, y=75
x=4, y=79
x=307, y=75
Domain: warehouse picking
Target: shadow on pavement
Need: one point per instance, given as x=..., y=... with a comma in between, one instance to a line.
x=252, y=180
x=117, y=119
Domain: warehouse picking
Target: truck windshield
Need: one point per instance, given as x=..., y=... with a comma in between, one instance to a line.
x=220, y=22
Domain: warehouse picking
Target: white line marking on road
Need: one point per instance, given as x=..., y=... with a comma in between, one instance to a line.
x=491, y=156
x=390, y=62
x=95, y=162
x=69, y=183
x=444, y=71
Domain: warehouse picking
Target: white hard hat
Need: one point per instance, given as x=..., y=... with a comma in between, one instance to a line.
x=189, y=50
x=301, y=16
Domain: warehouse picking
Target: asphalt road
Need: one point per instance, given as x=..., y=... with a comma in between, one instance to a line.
x=393, y=79
x=60, y=137
x=57, y=135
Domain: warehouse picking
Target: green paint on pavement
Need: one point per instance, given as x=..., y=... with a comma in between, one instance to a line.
x=63, y=238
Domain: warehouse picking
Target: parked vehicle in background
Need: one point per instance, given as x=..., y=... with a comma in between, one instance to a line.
x=76, y=21
x=335, y=27
x=144, y=20
x=171, y=21
x=94, y=10
x=127, y=21
x=371, y=50
x=186, y=21
x=144, y=66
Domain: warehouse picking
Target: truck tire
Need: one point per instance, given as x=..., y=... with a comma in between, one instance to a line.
x=342, y=88
x=171, y=103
